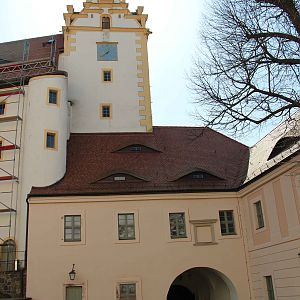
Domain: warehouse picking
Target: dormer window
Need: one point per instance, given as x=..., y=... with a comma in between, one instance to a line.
x=137, y=148
x=105, y=22
x=283, y=144
x=120, y=177
x=199, y=176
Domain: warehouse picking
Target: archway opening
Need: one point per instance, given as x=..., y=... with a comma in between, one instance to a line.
x=202, y=284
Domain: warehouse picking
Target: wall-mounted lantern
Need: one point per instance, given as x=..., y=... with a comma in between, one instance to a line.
x=72, y=273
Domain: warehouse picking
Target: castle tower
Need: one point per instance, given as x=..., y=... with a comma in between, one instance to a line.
x=92, y=78
x=105, y=56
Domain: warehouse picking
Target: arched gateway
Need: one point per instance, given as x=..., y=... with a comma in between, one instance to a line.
x=202, y=284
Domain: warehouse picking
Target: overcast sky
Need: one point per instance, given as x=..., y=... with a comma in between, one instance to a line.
x=172, y=46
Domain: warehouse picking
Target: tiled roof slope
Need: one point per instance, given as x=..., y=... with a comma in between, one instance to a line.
x=29, y=58
x=12, y=52
x=179, y=151
x=260, y=161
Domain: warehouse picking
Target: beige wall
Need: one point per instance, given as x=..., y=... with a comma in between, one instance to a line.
x=273, y=250
x=153, y=260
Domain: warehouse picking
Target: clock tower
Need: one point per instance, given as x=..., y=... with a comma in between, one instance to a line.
x=105, y=56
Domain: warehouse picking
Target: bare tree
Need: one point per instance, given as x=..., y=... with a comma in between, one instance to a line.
x=248, y=70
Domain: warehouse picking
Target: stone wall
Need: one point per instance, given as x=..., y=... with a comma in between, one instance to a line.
x=12, y=284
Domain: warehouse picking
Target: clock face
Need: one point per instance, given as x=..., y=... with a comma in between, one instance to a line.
x=107, y=52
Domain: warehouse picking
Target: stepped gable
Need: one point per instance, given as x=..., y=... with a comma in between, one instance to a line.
x=177, y=159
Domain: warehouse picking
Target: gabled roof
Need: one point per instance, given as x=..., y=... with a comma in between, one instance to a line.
x=92, y=156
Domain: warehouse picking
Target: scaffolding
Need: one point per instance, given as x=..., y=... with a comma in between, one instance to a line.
x=17, y=66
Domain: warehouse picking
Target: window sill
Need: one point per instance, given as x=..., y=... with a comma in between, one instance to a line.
x=205, y=243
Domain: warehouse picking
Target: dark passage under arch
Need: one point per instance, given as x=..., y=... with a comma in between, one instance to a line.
x=179, y=292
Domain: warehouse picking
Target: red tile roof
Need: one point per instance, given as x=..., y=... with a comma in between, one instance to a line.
x=31, y=57
x=181, y=150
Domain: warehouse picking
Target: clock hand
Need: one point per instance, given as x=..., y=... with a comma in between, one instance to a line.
x=104, y=54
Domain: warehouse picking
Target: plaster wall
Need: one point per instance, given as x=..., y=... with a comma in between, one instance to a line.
x=86, y=87
x=273, y=249
x=152, y=260
x=41, y=166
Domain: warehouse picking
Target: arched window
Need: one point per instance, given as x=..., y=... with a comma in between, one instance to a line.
x=105, y=22
x=8, y=255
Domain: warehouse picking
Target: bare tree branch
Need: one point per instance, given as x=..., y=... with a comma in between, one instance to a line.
x=248, y=71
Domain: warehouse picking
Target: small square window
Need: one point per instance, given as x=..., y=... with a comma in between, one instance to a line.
x=53, y=96
x=227, y=222
x=177, y=225
x=2, y=109
x=128, y=291
x=126, y=226
x=107, y=76
x=105, y=111
x=259, y=215
x=51, y=140
x=72, y=228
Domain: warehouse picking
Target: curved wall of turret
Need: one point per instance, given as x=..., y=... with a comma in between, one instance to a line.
x=46, y=162
x=43, y=164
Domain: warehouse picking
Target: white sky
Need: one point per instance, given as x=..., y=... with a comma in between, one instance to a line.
x=172, y=46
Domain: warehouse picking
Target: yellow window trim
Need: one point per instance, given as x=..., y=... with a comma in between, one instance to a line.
x=111, y=75
x=110, y=111
x=101, y=43
x=58, y=96
x=55, y=133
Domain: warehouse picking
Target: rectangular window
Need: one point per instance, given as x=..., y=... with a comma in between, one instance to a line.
x=74, y=293
x=72, y=228
x=105, y=111
x=53, y=96
x=107, y=76
x=128, y=291
x=51, y=140
x=259, y=215
x=2, y=109
x=177, y=225
x=270, y=289
x=226, y=222
x=126, y=226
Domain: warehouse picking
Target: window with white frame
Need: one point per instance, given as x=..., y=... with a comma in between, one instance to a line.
x=227, y=222
x=126, y=226
x=177, y=225
x=259, y=215
x=72, y=228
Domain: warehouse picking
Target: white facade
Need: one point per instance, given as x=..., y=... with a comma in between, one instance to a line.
x=81, y=93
